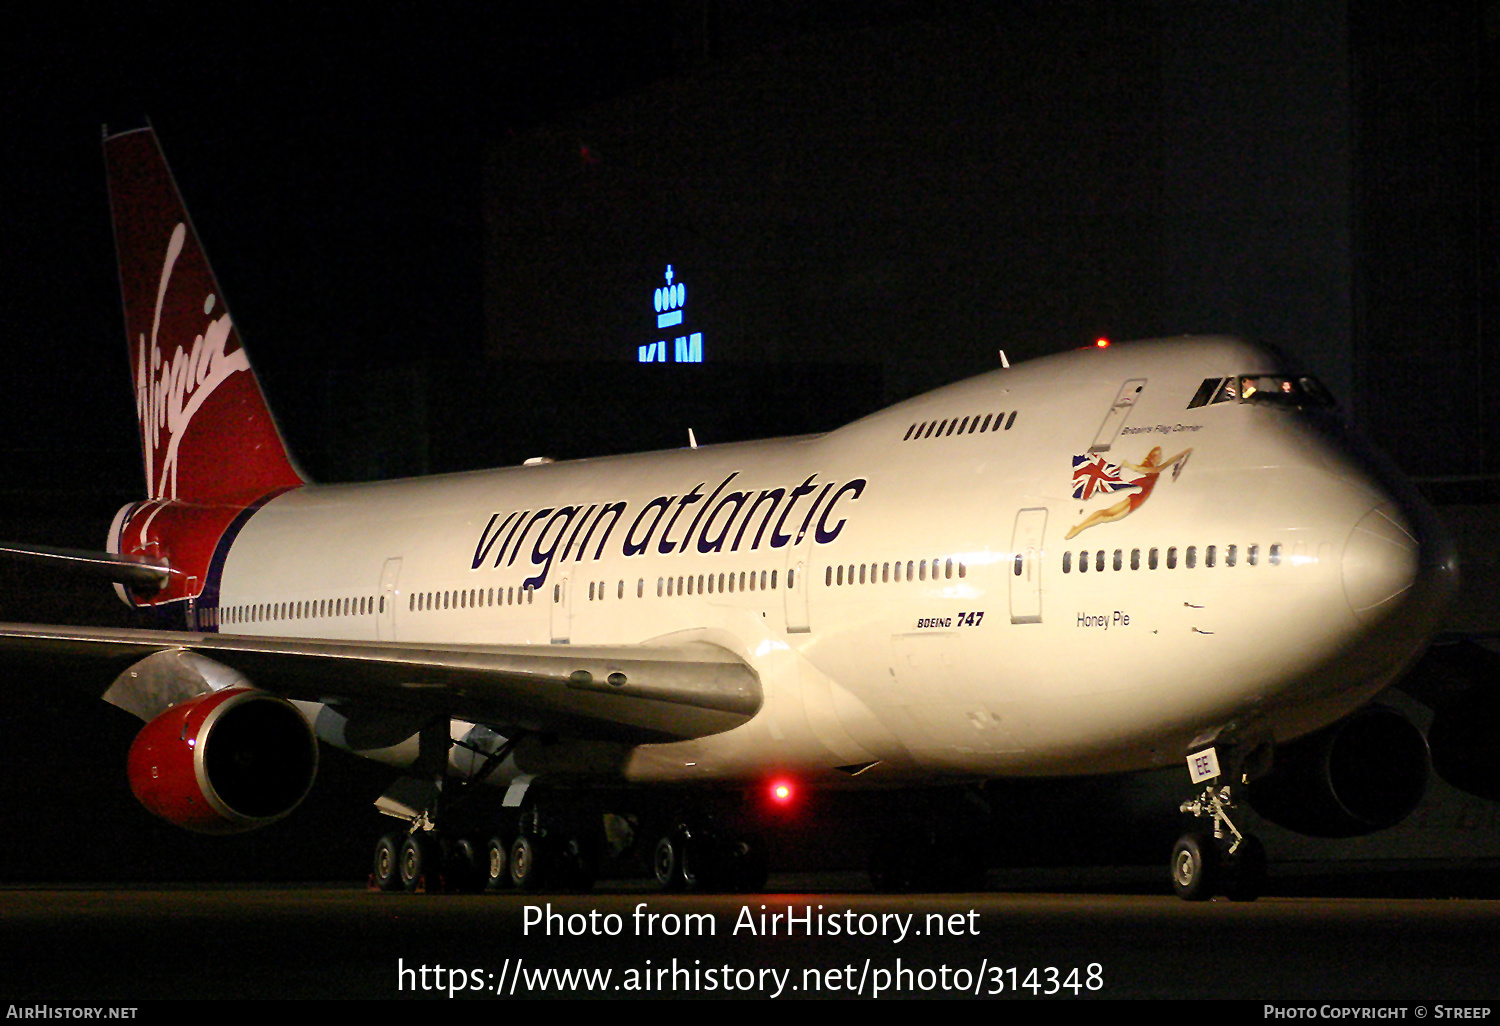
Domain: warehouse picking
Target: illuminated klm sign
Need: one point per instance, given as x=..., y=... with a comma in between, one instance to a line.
x=669, y=301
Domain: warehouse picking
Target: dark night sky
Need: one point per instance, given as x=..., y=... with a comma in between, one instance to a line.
x=331, y=165
x=334, y=164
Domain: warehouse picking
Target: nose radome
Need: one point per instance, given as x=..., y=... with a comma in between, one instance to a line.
x=1381, y=562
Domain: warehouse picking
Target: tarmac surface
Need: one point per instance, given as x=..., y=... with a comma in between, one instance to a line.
x=113, y=946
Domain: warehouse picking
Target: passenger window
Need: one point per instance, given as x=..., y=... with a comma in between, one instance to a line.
x=1275, y=555
x=1172, y=558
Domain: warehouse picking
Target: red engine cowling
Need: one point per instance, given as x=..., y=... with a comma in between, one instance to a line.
x=224, y=762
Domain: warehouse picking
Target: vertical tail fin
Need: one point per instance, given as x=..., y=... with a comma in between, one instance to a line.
x=207, y=435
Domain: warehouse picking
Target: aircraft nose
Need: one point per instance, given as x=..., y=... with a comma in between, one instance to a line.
x=1385, y=558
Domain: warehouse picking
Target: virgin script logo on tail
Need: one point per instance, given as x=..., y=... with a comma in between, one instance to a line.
x=170, y=389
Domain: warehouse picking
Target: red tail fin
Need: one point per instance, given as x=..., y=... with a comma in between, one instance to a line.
x=207, y=435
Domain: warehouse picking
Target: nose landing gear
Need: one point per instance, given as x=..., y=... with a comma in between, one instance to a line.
x=1222, y=859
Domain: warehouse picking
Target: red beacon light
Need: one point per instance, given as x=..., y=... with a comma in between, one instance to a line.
x=782, y=792
x=1101, y=343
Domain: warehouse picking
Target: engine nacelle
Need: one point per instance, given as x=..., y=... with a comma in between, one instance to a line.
x=1463, y=741
x=224, y=762
x=1363, y=774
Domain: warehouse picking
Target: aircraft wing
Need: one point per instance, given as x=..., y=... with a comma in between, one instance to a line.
x=635, y=694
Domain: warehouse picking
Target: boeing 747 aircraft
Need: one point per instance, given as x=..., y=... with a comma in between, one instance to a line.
x=1158, y=553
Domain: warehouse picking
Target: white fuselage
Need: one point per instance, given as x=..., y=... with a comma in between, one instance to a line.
x=905, y=599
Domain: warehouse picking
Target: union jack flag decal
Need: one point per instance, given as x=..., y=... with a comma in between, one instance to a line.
x=1091, y=474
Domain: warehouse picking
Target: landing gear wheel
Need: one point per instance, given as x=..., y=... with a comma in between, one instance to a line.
x=386, y=872
x=1195, y=867
x=576, y=864
x=666, y=863
x=421, y=863
x=497, y=863
x=461, y=867
x=527, y=863
x=1246, y=870
x=746, y=866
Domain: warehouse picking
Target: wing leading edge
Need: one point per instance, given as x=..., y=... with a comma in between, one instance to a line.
x=637, y=694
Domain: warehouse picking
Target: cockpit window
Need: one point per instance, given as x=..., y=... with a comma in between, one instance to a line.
x=1277, y=390
x=1205, y=392
x=1272, y=389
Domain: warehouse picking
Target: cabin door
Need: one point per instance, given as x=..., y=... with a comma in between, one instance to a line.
x=1026, y=566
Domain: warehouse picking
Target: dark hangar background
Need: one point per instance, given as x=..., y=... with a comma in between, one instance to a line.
x=441, y=230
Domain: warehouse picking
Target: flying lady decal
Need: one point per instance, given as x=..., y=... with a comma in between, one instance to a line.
x=1091, y=474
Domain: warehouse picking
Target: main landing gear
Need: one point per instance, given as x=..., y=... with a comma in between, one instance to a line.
x=699, y=854
x=1220, y=859
x=433, y=853
x=420, y=860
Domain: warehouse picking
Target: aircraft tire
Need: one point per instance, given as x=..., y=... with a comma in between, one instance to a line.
x=385, y=875
x=1194, y=867
x=666, y=863
x=577, y=865
x=497, y=864
x=747, y=865
x=528, y=864
x=462, y=867
x=421, y=863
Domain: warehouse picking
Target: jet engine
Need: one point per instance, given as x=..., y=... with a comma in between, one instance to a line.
x=1362, y=774
x=224, y=762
